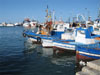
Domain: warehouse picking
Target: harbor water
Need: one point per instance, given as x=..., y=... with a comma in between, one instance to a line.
x=18, y=56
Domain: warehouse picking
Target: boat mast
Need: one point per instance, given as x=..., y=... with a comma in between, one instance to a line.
x=53, y=17
x=50, y=16
x=47, y=14
x=69, y=20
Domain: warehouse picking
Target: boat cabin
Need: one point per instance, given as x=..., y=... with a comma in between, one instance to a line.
x=84, y=36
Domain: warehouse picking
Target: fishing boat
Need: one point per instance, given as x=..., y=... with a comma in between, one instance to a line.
x=56, y=33
x=34, y=36
x=88, y=48
x=42, y=29
x=26, y=23
x=67, y=41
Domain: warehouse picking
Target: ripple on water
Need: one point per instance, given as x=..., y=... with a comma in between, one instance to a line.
x=19, y=57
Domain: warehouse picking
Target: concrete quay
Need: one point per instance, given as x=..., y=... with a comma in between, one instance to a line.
x=92, y=68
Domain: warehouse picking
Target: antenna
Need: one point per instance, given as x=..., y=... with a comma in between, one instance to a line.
x=53, y=16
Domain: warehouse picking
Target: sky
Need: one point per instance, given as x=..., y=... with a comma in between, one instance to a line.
x=17, y=10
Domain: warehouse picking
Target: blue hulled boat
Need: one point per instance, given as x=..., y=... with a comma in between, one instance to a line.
x=67, y=41
x=35, y=38
x=88, y=48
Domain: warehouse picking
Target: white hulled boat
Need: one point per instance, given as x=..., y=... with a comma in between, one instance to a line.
x=10, y=24
x=55, y=34
x=67, y=41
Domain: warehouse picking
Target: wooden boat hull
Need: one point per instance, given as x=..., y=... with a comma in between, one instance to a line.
x=87, y=54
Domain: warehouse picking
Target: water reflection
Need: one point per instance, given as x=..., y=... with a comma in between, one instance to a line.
x=29, y=46
x=64, y=61
x=58, y=57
